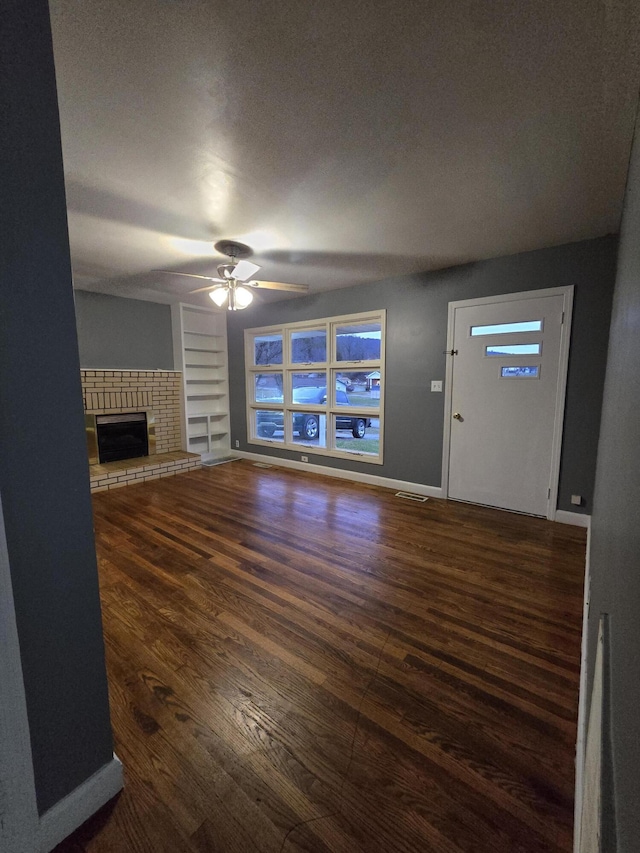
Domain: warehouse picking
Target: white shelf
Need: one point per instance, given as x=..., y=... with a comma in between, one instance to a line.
x=198, y=367
x=205, y=396
x=213, y=416
x=200, y=353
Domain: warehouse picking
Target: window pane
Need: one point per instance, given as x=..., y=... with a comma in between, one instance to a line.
x=309, y=345
x=532, y=371
x=270, y=424
x=267, y=349
x=513, y=349
x=309, y=388
x=357, y=434
x=507, y=328
x=358, y=342
x=358, y=389
x=268, y=388
x=309, y=428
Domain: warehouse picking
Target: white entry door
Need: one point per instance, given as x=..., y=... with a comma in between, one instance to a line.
x=506, y=382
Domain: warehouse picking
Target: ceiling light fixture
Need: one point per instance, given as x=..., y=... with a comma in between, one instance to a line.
x=235, y=295
x=232, y=286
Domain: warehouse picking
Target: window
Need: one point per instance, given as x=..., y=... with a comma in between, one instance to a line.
x=358, y=341
x=507, y=328
x=318, y=386
x=531, y=371
x=267, y=349
x=309, y=346
x=513, y=349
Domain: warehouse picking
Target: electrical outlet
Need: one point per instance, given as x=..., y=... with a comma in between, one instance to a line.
x=436, y=384
x=304, y=458
x=576, y=500
x=237, y=443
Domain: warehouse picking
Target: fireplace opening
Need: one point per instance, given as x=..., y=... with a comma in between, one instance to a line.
x=122, y=436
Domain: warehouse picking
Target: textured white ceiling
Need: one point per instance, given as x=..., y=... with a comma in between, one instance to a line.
x=344, y=141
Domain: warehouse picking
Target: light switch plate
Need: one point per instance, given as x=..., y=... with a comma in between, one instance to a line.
x=436, y=384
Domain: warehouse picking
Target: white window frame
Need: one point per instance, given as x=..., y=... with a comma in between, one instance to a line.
x=331, y=367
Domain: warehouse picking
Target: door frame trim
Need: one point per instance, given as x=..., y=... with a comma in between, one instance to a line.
x=563, y=364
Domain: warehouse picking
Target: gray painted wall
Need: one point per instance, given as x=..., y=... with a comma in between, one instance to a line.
x=123, y=333
x=615, y=539
x=44, y=478
x=416, y=338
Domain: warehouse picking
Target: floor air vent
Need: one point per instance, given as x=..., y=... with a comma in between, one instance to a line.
x=262, y=465
x=220, y=460
x=409, y=496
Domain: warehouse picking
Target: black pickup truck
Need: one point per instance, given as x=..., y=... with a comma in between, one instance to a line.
x=307, y=424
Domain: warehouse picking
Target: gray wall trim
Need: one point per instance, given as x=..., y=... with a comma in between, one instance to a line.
x=18, y=809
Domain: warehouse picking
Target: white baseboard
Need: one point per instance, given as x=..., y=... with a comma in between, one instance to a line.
x=355, y=476
x=582, y=702
x=72, y=811
x=578, y=519
x=589, y=838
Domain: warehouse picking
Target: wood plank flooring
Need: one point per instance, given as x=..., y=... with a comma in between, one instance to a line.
x=298, y=663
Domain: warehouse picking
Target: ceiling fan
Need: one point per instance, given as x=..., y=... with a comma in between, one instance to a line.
x=234, y=285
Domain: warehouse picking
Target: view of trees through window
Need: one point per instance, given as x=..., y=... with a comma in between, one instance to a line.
x=356, y=348
x=308, y=346
x=268, y=350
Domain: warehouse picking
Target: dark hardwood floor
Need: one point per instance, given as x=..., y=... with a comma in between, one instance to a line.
x=298, y=663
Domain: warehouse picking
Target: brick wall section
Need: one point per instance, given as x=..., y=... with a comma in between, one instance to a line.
x=111, y=391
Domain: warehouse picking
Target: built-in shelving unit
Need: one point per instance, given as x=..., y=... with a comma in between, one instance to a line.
x=200, y=353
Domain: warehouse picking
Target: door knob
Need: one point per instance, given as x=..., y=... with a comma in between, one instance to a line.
x=457, y=416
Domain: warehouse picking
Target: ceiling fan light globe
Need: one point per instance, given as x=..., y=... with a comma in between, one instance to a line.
x=244, y=297
x=219, y=296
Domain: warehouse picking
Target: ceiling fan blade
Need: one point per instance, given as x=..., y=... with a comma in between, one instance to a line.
x=211, y=287
x=280, y=285
x=244, y=270
x=190, y=275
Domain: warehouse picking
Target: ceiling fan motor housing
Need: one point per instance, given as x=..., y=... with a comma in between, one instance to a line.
x=235, y=251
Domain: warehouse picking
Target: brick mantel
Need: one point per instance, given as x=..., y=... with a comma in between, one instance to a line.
x=116, y=391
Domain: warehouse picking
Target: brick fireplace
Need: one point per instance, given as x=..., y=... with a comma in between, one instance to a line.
x=156, y=392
